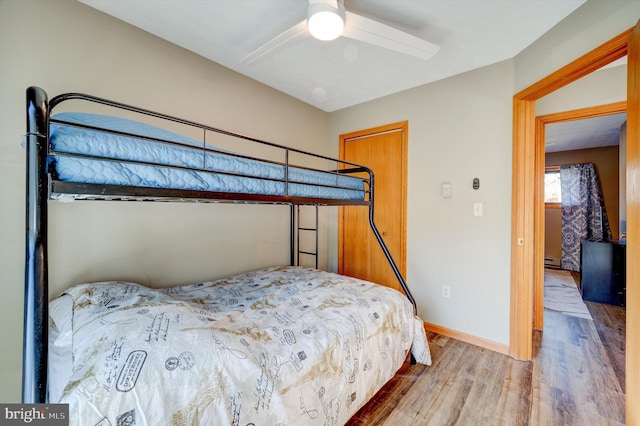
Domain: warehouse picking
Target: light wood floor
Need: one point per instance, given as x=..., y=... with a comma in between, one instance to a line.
x=575, y=378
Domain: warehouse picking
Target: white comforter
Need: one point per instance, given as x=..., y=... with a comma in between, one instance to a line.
x=280, y=346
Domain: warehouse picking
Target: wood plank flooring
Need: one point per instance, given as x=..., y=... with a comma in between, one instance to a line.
x=575, y=378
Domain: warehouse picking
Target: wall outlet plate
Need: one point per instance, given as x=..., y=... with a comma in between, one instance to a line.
x=447, y=190
x=446, y=291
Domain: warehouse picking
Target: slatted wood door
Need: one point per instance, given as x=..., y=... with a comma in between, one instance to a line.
x=384, y=150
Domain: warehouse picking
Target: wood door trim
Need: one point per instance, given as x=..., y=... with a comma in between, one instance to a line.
x=538, y=268
x=541, y=122
x=402, y=126
x=602, y=55
x=579, y=114
x=632, y=373
x=526, y=203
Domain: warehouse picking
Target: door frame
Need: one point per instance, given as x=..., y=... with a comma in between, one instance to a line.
x=541, y=122
x=401, y=126
x=527, y=172
x=525, y=260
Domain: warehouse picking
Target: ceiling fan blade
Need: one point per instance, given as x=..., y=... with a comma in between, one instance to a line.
x=373, y=32
x=297, y=32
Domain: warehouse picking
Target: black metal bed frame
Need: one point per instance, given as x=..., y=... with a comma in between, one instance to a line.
x=41, y=186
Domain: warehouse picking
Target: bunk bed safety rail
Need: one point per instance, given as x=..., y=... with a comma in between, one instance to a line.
x=204, y=149
x=81, y=151
x=57, y=100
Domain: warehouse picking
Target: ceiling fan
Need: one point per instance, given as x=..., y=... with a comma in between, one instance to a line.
x=328, y=19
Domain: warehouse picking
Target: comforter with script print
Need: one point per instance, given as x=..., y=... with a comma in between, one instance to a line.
x=279, y=346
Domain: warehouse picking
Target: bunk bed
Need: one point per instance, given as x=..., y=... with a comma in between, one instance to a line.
x=203, y=352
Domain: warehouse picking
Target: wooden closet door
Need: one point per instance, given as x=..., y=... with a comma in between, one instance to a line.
x=382, y=149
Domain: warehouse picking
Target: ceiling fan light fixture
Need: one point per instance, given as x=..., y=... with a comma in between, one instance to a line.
x=325, y=21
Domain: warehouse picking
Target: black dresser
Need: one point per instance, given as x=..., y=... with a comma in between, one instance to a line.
x=603, y=271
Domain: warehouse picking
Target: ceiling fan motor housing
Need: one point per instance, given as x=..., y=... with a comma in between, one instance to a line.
x=326, y=19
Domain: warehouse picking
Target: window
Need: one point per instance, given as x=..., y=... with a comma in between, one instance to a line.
x=552, y=193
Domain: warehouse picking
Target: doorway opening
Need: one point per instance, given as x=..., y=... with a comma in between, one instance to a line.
x=574, y=116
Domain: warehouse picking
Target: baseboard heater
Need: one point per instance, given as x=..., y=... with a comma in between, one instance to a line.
x=552, y=262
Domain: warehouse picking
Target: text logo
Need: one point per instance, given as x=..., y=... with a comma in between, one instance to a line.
x=34, y=414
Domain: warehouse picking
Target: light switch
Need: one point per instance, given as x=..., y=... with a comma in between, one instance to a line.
x=477, y=209
x=447, y=190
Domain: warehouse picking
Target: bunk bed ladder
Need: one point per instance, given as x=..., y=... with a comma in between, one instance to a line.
x=307, y=229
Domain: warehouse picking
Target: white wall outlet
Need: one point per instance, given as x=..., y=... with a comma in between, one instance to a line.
x=446, y=291
x=477, y=209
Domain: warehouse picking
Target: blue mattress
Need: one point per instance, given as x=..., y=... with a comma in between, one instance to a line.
x=176, y=166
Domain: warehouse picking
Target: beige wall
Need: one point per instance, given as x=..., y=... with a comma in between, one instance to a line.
x=606, y=161
x=90, y=52
x=553, y=234
x=602, y=87
x=459, y=129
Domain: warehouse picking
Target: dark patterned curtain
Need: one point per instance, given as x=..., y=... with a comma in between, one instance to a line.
x=583, y=212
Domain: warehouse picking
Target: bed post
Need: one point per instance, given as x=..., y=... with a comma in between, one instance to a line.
x=392, y=262
x=36, y=295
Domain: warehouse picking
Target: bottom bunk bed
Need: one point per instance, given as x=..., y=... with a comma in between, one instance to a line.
x=278, y=346
x=282, y=346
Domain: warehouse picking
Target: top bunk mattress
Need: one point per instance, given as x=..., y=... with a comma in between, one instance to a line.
x=100, y=149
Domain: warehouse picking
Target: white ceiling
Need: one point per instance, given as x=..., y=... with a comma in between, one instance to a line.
x=344, y=72
x=583, y=134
